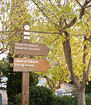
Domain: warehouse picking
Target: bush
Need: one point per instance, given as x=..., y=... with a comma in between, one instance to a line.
x=64, y=100
x=46, y=97
x=88, y=99
x=88, y=87
x=18, y=99
x=10, y=103
x=40, y=95
x=56, y=100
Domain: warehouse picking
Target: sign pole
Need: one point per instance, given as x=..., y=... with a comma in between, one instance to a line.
x=25, y=88
x=25, y=75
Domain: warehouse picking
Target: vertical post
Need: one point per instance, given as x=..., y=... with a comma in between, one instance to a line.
x=25, y=75
x=25, y=88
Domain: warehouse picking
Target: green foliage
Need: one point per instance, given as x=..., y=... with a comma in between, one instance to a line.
x=40, y=95
x=68, y=100
x=88, y=87
x=2, y=9
x=33, y=79
x=4, y=66
x=10, y=103
x=36, y=98
x=56, y=100
x=18, y=99
x=8, y=5
x=88, y=99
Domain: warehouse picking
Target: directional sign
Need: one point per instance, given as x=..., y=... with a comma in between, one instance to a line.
x=30, y=49
x=28, y=65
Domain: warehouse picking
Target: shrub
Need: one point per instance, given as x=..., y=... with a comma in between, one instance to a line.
x=88, y=87
x=56, y=100
x=40, y=95
x=74, y=101
x=88, y=99
x=46, y=97
x=10, y=103
x=18, y=99
x=64, y=100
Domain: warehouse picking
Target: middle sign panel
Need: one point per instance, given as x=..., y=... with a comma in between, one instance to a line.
x=28, y=65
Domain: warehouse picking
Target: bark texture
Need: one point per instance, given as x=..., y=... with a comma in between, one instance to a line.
x=81, y=97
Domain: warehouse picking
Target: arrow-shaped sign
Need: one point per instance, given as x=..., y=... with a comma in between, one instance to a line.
x=28, y=65
x=30, y=49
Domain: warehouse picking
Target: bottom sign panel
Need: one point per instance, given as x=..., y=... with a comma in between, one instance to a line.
x=28, y=65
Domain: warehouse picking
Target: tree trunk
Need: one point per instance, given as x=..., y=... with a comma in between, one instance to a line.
x=54, y=90
x=81, y=97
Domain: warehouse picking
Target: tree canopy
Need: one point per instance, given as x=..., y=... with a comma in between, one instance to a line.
x=63, y=25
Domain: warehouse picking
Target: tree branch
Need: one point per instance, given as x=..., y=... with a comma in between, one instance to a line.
x=86, y=74
x=45, y=14
x=83, y=8
x=88, y=6
x=49, y=82
x=51, y=2
x=2, y=51
x=71, y=24
x=5, y=31
x=78, y=3
x=54, y=39
x=88, y=69
x=68, y=57
x=84, y=60
x=86, y=2
x=58, y=3
x=44, y=32
x=59, y=84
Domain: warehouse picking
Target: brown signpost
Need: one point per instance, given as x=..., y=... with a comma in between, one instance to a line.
x=28, y=65
x=30, y=49
x=25, y=88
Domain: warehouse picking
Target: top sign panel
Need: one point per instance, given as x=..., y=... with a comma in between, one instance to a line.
x=30, y=49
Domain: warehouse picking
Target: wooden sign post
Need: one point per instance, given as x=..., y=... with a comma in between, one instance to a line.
x=25, y=75
x=25, y=88
x=26, y=64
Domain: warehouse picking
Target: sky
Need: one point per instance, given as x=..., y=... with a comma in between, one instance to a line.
x=4, y=55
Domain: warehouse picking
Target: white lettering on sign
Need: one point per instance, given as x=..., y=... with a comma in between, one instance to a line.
x=26, y=48
x=26, y=61
x=22, y=65
x=26, y=44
